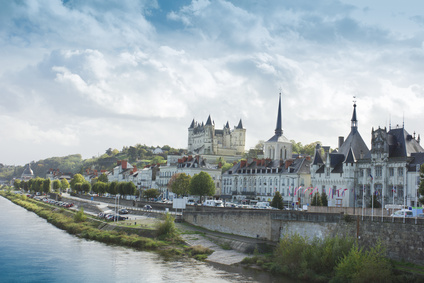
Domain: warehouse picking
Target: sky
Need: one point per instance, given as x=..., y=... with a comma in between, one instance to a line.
x=82, y=76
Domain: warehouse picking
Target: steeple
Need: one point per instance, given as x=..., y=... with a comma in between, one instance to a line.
x=278, y=129
x=354, y=124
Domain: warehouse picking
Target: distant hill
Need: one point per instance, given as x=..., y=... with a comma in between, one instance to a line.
x=138, y=155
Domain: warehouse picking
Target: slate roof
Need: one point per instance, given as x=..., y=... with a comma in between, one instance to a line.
x=402, y=144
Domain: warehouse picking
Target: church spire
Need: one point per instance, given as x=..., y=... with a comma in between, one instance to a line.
x=354, y=124
x=278, y=129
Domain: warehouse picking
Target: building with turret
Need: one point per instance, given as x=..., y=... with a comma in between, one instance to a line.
x=260, y=179
x=354, y=176
x=335, y=172
x=204, y=139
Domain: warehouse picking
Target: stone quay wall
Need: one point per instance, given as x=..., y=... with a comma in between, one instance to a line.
x=403, y=238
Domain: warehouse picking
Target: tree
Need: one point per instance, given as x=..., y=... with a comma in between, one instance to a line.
x=78, y=178
x=112, y=188
x=150, y=193
x=324, y=199
x=181, y=184
x=277, y=200
x=86, y=187
x=158, y=159
x=103, y=178
x=202, y=185
x=120, y=188
x=57, y=185
x=226, y=167
x=421, y=186
x=17, y=184
x=65, y=184
x=316, y=200
x=130, y=189
x=47, y=186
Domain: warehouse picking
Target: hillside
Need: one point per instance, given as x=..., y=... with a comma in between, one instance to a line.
x=138, y=155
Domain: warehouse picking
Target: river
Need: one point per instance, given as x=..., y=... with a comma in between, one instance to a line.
x=33, y=250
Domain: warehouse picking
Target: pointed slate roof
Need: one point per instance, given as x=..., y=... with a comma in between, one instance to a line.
x=240, y=125
x=278, y=137
x=227, y=125
x=354, y=140
x=350, y=157
x=278, y=128
x=209, y=121
x=317, y=156
x=192, y=124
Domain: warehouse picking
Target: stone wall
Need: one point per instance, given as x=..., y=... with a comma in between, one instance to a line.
x=403, y=238
x=253, y=224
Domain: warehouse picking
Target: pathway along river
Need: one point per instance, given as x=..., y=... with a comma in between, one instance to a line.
x=32, y=250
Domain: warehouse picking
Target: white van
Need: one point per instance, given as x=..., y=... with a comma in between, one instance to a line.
x=402, y=213
x=212, y=202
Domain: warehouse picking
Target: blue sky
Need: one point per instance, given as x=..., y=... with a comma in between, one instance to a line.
x=83, y=76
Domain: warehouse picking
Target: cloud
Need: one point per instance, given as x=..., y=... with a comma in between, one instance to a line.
x=93, y=74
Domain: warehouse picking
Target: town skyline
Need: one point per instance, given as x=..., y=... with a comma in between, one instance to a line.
x=79, y=77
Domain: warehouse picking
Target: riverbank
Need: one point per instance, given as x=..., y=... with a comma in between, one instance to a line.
x=166, y=242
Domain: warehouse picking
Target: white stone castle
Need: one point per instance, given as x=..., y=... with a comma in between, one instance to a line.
x=204, y=139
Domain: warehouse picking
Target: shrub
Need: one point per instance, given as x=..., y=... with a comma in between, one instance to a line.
x=166, y=229
x=364, y=266
x=80, y=216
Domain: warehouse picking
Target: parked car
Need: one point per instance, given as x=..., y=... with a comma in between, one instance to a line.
x=123, y=211
x=402, y=213
x=147, y=207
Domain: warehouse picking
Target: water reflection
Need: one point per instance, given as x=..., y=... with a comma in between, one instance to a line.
x=34, y=250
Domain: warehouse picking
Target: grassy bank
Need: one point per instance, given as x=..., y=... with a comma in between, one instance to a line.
x=166, y=241
x=332, y=260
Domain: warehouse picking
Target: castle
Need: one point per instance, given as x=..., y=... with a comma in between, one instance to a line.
x=204, y=139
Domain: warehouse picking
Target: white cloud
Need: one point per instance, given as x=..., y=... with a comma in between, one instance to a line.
x=87, y=75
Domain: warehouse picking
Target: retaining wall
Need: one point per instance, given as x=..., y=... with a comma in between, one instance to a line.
x=403, y=238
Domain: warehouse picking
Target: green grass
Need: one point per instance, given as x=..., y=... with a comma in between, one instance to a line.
x=167, y=243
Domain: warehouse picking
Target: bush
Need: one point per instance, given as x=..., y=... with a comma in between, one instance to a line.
x=166, y=229
x=300, y=258
x=80, y=216
x=364, y=266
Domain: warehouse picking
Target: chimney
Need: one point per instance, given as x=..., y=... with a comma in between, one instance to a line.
x=288, y=163
x=341, y=141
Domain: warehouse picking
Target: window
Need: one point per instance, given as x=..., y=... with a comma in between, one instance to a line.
x=391, y=172
x=378, y=171
x=400, y=172
x=361, y=173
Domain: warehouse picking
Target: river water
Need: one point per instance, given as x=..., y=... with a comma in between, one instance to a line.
x=32, y=250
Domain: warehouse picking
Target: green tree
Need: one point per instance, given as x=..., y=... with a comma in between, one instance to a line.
x=103, y=178
x=120, y=188
x=57, y=185
x=17, y=184
x=78, y=187
x=202, y=185
x=47, y=186
x=65, y=184
x=421, y=185
x=130, y=188
x=277, y=200
x=324, y=199
x=181, y=185
x=78, y=178
x=112, y=188
x=150, y=193
x=158, y=160
x=86, y=187
x=316, y=200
